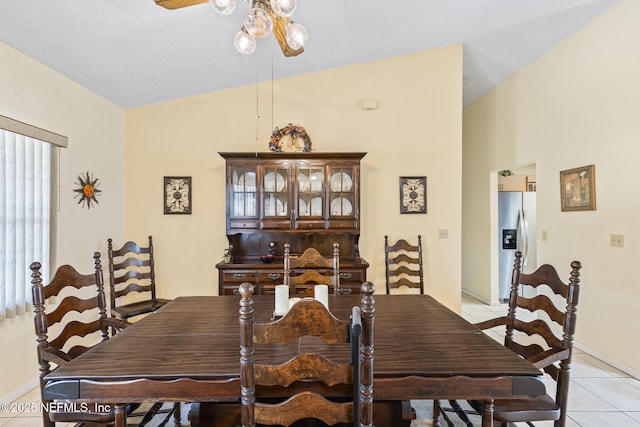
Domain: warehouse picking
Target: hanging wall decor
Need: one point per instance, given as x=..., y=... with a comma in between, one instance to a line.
x=88, y=190
x=578, y=189
x=177, y=195
x=413, y=194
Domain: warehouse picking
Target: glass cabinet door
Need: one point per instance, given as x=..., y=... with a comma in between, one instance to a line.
x=243, y=192
x=341, y=192
x=310, y=192
x=275, y=192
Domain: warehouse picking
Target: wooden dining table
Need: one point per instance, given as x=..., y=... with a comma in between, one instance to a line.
x=189, y=351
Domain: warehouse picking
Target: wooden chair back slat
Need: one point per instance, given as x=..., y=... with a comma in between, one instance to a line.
x=540, y=328
x=307, y=317
x=131, y=287
x=131, y=248
x=544, y=303
x=131, y=262
x=406, y=270
x=545, y=275
x=311, y=276
x=305, y=365
x=67, y=276
x=402, y=257
x=311, y=258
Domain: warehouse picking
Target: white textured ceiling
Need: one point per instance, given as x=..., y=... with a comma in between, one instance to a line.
x=133, y=52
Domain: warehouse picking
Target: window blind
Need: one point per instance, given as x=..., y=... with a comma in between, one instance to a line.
x=25, y=217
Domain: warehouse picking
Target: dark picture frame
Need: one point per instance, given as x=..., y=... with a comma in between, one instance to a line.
x=413, y=194
x=578, y=189
x=177, y=195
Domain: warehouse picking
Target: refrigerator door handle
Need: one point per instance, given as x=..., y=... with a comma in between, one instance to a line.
x=523, y=238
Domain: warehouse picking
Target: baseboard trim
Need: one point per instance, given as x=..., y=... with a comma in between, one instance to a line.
x=15, y=394
x=479, y=297
x=606, y=359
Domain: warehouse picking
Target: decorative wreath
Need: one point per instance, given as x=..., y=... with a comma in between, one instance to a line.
x=290, y=138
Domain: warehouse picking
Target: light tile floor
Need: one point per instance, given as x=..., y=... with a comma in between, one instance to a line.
x=599, y=395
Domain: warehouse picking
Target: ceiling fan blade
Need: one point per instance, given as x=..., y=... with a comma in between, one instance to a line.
x=280, y=33
x=177, y=4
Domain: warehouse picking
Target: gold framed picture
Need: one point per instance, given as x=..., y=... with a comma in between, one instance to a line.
x=413, y=194
x=578, y=189
x=177, y=195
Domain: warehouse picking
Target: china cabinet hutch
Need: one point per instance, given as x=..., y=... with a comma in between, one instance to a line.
x=304, y=199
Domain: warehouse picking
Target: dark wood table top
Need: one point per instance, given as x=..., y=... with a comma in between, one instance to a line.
x=189, y=351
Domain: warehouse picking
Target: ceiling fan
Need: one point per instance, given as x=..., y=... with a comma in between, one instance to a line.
x=290, y=36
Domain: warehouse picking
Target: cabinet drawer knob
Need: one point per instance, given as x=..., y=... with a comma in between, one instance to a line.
x=345, y=275
x=236, y=291
x=239, y=276
x=274, y=276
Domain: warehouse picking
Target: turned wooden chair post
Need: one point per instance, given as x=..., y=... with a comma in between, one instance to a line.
x=247, y=382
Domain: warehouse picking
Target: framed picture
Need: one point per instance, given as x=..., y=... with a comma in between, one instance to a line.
x=177, y=195
x=578, y=189
x=413, y=194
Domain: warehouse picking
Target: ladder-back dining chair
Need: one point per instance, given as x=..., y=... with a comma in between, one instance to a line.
x=306, y=269
x=403, y=265
x=307, y=318
x=76, y=322
x=540, y=325
x=132, y=270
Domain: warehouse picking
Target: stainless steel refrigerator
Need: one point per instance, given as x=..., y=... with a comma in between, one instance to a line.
x=516, y=231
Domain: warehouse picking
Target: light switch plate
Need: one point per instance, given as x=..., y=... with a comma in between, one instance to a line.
x=616, y=240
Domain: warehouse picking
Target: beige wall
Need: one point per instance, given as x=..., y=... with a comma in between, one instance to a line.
x=33, y=93
x=415, y=131
x=574, y=106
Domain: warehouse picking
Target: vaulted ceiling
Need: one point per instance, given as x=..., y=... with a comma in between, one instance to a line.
x=133, y=52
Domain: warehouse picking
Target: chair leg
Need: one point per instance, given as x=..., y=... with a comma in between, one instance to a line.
x=177, y=414
x=436, y=413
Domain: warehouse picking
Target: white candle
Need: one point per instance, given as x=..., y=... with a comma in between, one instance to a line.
x=321, y=293
x=282, y=300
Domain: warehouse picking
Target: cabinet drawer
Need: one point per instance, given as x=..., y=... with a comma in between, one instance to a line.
x=244, y=224
x=276, y=225
x=239, y=277
x=343, y=223
x=310, y=225
x=273, y=277
x=355, y=276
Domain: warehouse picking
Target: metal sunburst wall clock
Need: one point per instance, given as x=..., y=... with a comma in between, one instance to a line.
x=87, y=192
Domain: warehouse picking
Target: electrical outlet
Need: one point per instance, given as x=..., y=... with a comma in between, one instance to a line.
x=616, y=240
x=443, y=234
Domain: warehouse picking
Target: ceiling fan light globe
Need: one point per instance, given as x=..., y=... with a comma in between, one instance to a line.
x=297, y=36
x=244, y=42
x=224, y=7
x=258, y=22
x=284, y=8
